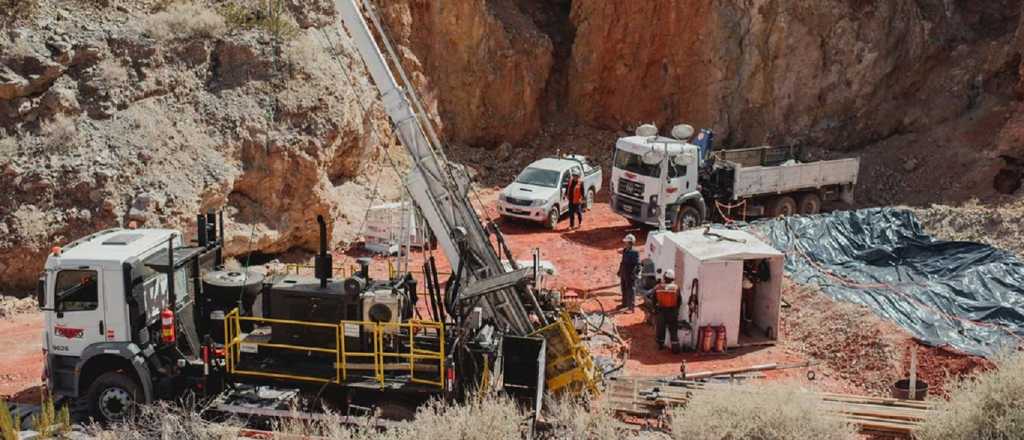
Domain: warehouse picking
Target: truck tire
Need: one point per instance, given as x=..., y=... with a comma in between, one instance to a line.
x=552, y=220
x=112, y=397
x=782, y=206
x=809, y=204
x=590, y=199
x=688, y=218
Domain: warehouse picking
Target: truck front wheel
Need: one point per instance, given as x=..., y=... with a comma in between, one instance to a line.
x=688, y=218
x=113, y=397
x=552, y=221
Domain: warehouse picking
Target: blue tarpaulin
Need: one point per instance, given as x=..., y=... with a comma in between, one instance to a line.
x=968, y=296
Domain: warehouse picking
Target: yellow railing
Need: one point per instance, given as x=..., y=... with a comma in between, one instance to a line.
x=381, y=360
x=569, y=362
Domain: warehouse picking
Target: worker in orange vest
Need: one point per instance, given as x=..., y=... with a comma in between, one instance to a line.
x=575, y=200
x=666, y=302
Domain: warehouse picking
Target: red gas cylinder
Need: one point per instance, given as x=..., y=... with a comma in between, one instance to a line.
x=707, y=338
x=167, y=334
x=721, y=341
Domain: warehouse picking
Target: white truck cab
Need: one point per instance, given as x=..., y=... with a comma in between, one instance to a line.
x=637, y=190
x=656, y=177
x=102, y=298
x=80, y=307
x=539, y=192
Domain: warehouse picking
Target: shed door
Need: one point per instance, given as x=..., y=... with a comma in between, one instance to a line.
x=720, y=285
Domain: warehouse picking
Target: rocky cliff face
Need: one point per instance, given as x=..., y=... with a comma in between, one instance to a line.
x=767, y=70
x=757, y=71
x=888, y=80
x=483, y=65
x=121, y=113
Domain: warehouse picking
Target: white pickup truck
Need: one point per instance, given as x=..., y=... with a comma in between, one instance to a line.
x=539, y=192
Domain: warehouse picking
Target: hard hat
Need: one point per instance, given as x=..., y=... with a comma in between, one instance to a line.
x=630, y=238
x=670, y=274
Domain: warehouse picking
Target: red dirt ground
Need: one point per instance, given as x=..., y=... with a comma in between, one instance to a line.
x=586, y=260
x=21, y=356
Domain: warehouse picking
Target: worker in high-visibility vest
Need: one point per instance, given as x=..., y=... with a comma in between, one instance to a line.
x=667, y=300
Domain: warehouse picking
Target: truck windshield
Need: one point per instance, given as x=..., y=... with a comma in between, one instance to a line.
x=634, y=163
x=538, y=177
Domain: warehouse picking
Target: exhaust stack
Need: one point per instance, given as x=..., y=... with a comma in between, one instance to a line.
x=324, y=263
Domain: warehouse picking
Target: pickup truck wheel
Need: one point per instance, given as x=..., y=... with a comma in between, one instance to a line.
x=590, y=199
x=113, y=397
x=810, y=204
x=552, y=222
x=688, y=218
x=782, y=207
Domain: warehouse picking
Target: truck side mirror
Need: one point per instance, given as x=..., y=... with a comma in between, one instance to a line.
x=41, y=291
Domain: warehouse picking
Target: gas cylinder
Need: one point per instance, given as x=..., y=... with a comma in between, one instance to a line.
x=167, y=334
x=721, y=341
x=707, y=338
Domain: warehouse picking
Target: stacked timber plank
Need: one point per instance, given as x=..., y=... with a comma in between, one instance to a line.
x=649, y=400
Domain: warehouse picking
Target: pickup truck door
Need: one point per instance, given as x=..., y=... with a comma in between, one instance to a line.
x=563, y=203
x=77, y=319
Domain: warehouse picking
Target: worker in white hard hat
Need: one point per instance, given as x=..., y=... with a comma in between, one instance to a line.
x=628, y=272
x=666, y=301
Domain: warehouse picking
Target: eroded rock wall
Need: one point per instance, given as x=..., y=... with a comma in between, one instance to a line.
x=483, y=65
x=848, y=72
x=830, y=72
x=102, y=121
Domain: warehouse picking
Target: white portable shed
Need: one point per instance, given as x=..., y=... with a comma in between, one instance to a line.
x=709, y=263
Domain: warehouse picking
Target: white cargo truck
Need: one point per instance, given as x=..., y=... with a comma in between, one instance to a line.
x=656, y=177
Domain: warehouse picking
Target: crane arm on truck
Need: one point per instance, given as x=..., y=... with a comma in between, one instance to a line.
x=437, y=187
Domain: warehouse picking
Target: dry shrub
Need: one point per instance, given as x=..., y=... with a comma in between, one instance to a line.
x=490, y=418
x=302, y=54
x=989, y=405
x=764, y=412
x=9, y=425
x=8, y=145
x=110, y=74
x=162, y=421
x=572, y=419
x=59, y=133
x=185, y=20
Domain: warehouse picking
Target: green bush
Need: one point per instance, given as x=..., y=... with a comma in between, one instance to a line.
x=762, y=412
x=989, y=405
x=270, y=16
